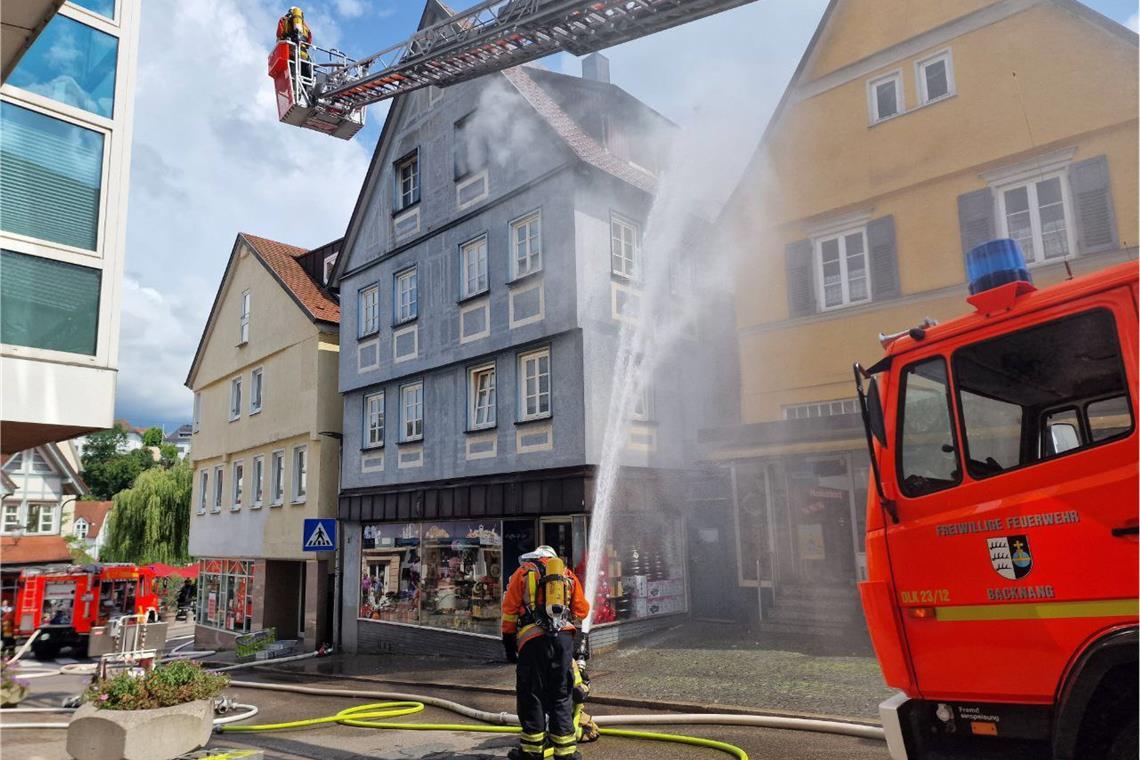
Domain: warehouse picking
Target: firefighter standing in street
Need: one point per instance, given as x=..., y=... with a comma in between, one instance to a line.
x=542, y=602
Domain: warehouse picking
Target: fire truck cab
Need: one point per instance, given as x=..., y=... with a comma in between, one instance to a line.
x=66, y=602
x=1002, y=519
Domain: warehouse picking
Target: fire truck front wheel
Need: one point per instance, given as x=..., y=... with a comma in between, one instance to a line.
x=45, y=650
x=1126, y=744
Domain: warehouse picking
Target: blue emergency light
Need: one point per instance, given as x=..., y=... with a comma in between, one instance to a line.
x=995, y=263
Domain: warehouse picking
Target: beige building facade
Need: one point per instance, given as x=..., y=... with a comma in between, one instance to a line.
x=910, y=133
x=266, y=445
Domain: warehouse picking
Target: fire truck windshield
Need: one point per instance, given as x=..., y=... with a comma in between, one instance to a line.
x=1023, y=397
x=1026, y=396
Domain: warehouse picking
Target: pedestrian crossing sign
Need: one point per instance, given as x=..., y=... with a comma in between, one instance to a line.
x=319, y=535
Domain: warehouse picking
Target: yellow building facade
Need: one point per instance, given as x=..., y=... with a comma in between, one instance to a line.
x=910, y=133
x=266, y=445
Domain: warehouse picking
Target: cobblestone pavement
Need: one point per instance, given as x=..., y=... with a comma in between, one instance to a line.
x=692, y=664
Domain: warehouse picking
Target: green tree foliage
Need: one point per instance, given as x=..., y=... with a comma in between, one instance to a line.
x=107, y=465
x=152, y=436
x=78, y=550
x=168, y=455
x=150, y=521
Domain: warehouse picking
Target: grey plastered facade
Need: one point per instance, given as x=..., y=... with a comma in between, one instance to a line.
x=534, y=164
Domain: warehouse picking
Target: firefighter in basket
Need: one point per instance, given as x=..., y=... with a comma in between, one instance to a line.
x=543, y=601
x=292, y=28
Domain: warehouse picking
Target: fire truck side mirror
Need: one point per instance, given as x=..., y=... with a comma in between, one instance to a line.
x=875, y=413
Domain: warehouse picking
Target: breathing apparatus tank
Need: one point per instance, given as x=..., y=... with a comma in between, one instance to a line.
x=555, y=592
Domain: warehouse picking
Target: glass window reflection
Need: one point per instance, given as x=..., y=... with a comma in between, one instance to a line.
x=71, y=63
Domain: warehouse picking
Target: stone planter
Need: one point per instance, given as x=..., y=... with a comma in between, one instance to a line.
x=160, y=734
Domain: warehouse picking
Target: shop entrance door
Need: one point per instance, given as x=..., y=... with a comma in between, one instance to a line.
x=820, y=521
x=518, y=539
x=558, y=534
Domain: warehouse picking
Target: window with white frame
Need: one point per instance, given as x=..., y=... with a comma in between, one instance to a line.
x=526, y=244
x=481, y=397
x=412, y=412
x=329, y=265
x=473, y=263
x=300, y=472
x=11, y=517
x=218, y=487
x=408, y=181
x=258, y=480
x=255, y=389
x=1036, y=214
x=203, y=489
x=407, y=299
x=841, y=262
x=935, y=77
x=369, y=310
x=40, y=519
x=277, y=477
x=625, y=245
x=81, y=528
x=821, y=409
x=15, y=463
x=373, y=420
x=885, y=96
x=643, y=405
x=235, y=398
x=39, y=465
x=243, y=335
x=237, y=478
x=197, y=410
x=534, y=390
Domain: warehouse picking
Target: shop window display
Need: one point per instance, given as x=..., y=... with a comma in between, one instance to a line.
x=644, y=572
x=441, y=575
x=390, y=573
x=225, y=594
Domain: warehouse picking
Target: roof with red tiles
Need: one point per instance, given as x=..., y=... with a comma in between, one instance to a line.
x=281, y=259
x=33, y=550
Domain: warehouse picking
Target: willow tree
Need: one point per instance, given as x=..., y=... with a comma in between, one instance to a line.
x=150, y=521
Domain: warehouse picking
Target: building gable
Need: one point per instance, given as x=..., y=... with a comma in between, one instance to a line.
x=277, y=320
x=857, y=29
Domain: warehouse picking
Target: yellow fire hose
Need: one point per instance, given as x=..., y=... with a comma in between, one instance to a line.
x=376, y=715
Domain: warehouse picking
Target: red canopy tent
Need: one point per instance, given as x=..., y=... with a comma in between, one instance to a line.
x=164, y=571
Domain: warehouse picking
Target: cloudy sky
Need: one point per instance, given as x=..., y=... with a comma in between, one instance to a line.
x=210, y=159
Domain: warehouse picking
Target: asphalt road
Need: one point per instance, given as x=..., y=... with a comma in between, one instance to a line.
x=336, y=742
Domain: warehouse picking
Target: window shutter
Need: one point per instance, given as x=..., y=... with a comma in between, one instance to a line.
x=1092, y=199
x=976, y=218
x=884, y=258
x=801, y=278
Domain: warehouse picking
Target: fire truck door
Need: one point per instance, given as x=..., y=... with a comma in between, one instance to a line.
x=1016, y=458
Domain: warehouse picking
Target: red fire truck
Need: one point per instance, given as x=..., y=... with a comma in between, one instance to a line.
x=1002, y=519
x=65, y=602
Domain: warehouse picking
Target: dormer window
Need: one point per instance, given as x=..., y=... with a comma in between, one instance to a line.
x=81, y=528
x=329, y=265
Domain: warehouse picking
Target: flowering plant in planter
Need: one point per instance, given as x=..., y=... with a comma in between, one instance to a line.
x=159, y=715
x=174, y=683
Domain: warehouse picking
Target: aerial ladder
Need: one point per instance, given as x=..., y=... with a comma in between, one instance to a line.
x=327, y=91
